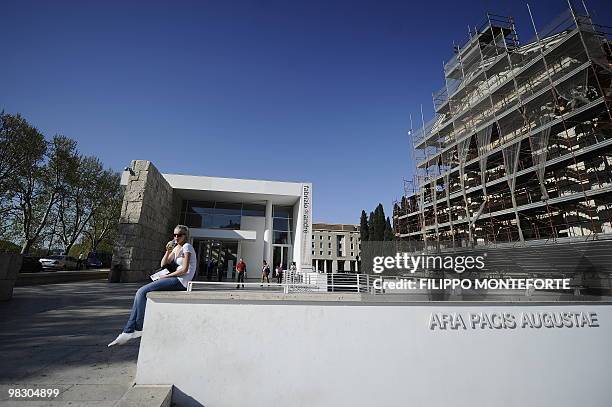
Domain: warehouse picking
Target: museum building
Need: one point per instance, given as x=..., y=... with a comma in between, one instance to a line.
x=228, y=218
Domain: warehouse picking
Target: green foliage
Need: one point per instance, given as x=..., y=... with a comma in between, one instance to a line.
x=79, y=248
x=363, y=227
x=50, y=194
x=9, y=247
x=102, y=227
x=388, y=235
x=371, y=227
x=376, y=227
x=22, y=150
x=42, y=184
x=379, y=223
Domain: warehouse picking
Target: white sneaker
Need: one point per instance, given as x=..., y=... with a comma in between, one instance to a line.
x=136, y=334
x=122, y=339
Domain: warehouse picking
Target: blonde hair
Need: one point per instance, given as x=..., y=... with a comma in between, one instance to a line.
x=184, y=229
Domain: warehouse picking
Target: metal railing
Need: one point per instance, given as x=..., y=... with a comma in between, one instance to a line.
x=306, y=282
x=226, y=285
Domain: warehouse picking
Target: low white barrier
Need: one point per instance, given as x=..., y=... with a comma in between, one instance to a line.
x=348, y=349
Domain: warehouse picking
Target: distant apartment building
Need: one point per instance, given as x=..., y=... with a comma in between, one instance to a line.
x=335, y=248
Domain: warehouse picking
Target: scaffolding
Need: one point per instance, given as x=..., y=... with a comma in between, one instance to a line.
x=520, y=147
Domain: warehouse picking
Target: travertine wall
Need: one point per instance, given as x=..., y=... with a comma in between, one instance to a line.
x=149, y=212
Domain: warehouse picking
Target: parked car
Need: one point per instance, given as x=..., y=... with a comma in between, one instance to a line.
x=30, y=264
x=93, y=263
x=59, y=262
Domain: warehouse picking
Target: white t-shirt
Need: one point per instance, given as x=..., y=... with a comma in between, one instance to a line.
x=193, y=261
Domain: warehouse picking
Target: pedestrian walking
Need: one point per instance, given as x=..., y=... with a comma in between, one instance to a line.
x=241, y=269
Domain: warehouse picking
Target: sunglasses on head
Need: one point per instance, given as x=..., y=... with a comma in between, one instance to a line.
x=178, y=234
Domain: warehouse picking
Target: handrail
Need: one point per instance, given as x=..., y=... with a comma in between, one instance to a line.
x=324, y=282
x=285, y=286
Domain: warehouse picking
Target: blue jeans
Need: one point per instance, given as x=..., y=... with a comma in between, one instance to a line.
x=140, y=300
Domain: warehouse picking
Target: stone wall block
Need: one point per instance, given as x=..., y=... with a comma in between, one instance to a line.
x=150, y=212
x=10, y=263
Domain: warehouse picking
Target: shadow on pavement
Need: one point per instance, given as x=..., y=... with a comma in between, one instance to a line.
x=57, y=334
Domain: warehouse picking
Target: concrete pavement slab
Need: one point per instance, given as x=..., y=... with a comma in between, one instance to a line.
x=55, y=336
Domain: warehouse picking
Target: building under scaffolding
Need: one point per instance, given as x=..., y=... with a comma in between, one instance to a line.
x=520, y=148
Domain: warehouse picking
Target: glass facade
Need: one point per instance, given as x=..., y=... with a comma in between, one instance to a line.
x=217, y=259
x=218, y=215
x=282, y=224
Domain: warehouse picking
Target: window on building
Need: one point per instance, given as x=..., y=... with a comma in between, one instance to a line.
x=281, y=238
x=329, y=253
x=251, y=209
x=339, y=243
x=282, y=223
x=212, y=215
x=281, y=211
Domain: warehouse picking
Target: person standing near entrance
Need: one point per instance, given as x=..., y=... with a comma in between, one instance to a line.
x=241, y=269
x=265, y=272
x=279, y=273
x=178, y=250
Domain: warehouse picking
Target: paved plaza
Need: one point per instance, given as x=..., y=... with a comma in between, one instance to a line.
x=55, y=336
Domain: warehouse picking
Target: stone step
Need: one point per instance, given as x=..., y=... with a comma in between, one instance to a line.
x=147, y=396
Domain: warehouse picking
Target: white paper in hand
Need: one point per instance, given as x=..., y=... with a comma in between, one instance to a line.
x=162, y=272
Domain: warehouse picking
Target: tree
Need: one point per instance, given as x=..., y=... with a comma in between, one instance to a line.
x=20, y=146
x=103, y=223
x=371, y=227
x=363, y=227
x=389, y=235
x=375, y=227
x=82, y=196
x=379, y=223
x=16, y=138
x=49, y=192
x=39, y=184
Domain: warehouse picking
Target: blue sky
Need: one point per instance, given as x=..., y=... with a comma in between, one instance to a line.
x=316, y=91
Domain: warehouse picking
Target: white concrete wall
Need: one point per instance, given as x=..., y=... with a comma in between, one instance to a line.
x=223, y=234
x=252, y=251
x=233, y=185
x=302, y=251
x=346, y=354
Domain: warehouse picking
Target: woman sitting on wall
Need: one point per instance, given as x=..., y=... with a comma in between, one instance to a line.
x=183, y=254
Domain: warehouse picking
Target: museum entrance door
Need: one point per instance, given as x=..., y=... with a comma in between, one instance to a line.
x=217, y=258
x=281, y=254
